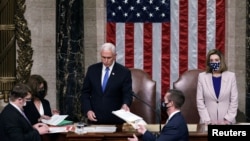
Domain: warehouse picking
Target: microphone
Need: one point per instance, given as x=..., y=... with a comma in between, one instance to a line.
x=150, y=106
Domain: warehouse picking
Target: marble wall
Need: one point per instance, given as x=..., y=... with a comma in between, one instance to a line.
x=236, y=45
x=41, y=18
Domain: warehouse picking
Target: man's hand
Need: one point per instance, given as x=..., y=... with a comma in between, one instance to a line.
x=41, y=128
x=133, y=139
x=125, y=107
x=91, y=116
x=141, y=129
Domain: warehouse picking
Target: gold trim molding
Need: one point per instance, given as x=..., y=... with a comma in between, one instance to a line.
x=21, y=41
x=7, y=27
x=23, y=37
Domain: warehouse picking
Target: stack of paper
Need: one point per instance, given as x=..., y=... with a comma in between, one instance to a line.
x=100, y=129
x=130, y=118
x=57, y=129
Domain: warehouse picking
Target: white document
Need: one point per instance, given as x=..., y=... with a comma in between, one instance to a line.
x=100, y=129
x=55, y=119
x=105, y=129
x=57, y=129
x=130, y=118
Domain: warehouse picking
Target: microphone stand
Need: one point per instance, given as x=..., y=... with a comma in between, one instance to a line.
x=155, y=110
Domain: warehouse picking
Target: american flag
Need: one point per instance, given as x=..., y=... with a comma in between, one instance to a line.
x=165, y=37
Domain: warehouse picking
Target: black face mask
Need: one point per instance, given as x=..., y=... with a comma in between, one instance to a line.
x=28, y=102
x=41, y=94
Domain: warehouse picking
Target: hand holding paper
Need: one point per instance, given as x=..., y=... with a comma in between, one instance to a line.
x=130, y=118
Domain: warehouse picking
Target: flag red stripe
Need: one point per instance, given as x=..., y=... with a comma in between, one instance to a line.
x=183, y=36
x=202, y=34
x=111, y=32
x=147, y=43
x=165, y=60
x=220, y=25
x=129, y=45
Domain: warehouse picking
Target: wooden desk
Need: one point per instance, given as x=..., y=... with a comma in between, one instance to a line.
x=120, y=135
x=117, y=136
x=199, y=135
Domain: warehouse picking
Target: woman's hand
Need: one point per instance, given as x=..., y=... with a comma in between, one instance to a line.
x=44, y=117
x=55, y=112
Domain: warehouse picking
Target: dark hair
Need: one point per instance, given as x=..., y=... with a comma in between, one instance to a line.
x=34, y=82
x=20, y=90
x=177, y=97
x=223, y=66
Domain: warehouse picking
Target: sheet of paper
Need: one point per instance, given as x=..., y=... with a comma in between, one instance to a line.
x=137, y=122
x=126, y=115
x=130, y=118
x=55, y=119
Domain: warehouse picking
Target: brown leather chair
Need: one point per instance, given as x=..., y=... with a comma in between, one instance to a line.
x=187, y=83
x=145, y=89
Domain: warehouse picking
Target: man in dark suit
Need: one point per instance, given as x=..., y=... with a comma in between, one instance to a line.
x=14, y=125
x=175, y=128
x=99, y=101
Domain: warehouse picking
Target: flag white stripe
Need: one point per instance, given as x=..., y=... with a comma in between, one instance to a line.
x=120, y=44
x=174, y=42
x=192, y=34
x=138, y=46
x=157, y=50
x=211, y=24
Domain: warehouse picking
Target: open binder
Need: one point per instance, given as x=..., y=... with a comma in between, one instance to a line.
x=57, y=120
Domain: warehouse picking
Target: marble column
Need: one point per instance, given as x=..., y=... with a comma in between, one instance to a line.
x=248, y=62
x=69, y=56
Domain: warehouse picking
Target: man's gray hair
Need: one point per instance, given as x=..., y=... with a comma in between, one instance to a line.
x=108, y=46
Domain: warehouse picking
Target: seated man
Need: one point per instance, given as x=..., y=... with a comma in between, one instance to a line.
x=175, y=128
x=14, y=125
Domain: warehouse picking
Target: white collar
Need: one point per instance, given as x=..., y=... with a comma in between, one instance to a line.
x=110, y=67
x=14, y=105
x=172, y=114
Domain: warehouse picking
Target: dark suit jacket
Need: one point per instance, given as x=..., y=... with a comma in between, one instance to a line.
x=118, y=91
x=175, y=130
x=14, y=127
x=33, y=114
